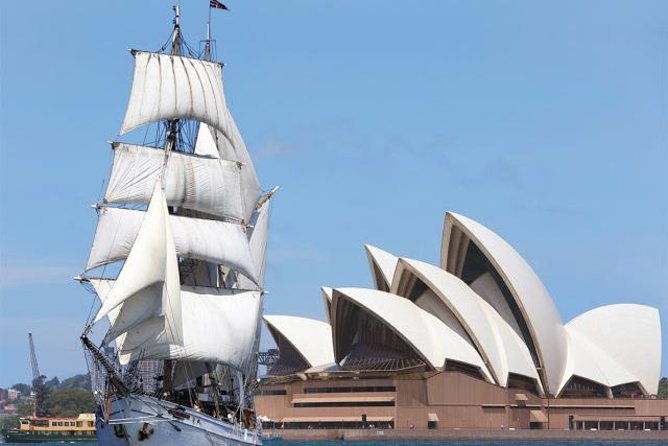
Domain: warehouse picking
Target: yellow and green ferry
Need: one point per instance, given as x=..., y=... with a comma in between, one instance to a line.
x=60, y=429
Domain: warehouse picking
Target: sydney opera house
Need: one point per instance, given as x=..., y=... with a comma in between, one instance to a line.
x=474, y=343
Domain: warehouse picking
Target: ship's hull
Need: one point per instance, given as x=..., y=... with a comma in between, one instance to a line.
x=144, y=420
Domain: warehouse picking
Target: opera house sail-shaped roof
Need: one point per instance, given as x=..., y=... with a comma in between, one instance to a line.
x=375, y=329
x=469, y=251
x=303, y=343
x=452, y=301
x=483, y=312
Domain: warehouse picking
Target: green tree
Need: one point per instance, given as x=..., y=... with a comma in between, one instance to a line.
x=76, y=382
x=42, y=393
x=25, y=409
x=70, y=402
x=53, y=383
x=663, y=388
x=23, y=388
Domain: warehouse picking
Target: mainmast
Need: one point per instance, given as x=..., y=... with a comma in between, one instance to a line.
x=170, y=144
x=173, y=126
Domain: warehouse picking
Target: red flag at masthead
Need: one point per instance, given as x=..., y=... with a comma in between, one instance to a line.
x=217, y=5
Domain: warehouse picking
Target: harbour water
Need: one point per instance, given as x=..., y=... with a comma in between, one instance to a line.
x=407, y=443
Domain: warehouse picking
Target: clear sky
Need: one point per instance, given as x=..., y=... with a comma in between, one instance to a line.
x=545, y=121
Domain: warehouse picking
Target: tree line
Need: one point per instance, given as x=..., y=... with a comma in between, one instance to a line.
x=663, y=388
x=55, y=398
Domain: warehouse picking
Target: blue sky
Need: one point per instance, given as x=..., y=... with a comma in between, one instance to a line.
x=545, y=121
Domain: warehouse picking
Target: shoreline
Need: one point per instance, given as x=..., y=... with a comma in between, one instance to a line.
x=462, y=435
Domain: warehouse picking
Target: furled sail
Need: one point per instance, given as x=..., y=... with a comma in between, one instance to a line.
x=210, y=240
x=208, y=185
x=166, y=87
x=218, y=326
x=148, y=286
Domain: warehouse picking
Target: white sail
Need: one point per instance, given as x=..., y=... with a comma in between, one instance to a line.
x=166, y=87
x=257, y=238
x=205, y=144
x=195, y=238
x=208, y=185
x=219, y=326
x=148, y=286
x=102, y=288
x=231, y=147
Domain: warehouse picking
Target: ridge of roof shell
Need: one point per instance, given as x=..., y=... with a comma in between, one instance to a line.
x=500, y=347
x=384, y=262
x=532, y=298
x=326, y=293
x=424, y=332
x=310, y=337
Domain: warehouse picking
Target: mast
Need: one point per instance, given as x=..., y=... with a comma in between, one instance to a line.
x=173, y=126
x=207, y=45
x=170, y=144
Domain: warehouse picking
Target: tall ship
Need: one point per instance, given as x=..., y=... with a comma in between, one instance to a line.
x=177, y=261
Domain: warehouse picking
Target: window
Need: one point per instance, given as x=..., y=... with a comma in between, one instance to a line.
x=330, y=425
x=269, y=392
x=350, y=389
x=347, y=404
x=606, y=425
x=630, y=390
x=578, y=387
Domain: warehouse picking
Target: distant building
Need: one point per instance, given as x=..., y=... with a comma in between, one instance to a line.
x=13, y=394
x=11, y=409
x=4, y=396
x=475, y=342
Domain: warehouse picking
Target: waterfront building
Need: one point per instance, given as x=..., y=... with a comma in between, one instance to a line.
x=475, y=342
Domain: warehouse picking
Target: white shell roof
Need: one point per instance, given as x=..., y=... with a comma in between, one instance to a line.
x=534, y=301
x=384, y=261
x=588, y=361
x=629, y=333
x=311, y=338
x=431, y=339
x=501, y=348
x=516, y=353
